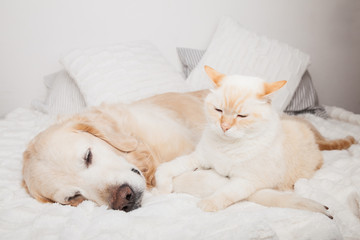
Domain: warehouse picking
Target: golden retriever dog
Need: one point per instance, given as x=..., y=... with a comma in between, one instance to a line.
x=109, y=154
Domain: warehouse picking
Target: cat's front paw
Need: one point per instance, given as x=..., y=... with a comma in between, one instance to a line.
x=163, y=181
x=211, y=205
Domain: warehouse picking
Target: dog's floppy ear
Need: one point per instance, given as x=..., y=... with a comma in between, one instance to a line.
x=110, y=134
x=103, y=125
x=147, y=161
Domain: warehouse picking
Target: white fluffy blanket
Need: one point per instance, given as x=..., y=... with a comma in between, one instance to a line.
x=175, y=216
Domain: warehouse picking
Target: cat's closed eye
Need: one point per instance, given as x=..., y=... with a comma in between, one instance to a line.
x=242, y=115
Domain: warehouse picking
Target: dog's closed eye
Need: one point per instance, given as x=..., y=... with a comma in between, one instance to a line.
x=135, y=171
x=88, y=157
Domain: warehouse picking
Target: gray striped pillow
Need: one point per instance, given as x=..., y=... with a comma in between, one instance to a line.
x=189, y=58
x=304, y=100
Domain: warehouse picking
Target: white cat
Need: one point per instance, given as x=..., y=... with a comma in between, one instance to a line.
x=246, y=142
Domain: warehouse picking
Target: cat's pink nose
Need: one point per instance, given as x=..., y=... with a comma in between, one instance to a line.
x=225, y=126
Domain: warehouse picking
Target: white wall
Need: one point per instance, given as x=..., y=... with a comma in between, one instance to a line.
x=35, y=33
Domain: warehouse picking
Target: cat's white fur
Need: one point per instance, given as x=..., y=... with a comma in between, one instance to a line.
x=247, y=144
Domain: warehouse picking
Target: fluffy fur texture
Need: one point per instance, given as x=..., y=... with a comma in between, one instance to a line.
x=98, y=155
x=246, y=142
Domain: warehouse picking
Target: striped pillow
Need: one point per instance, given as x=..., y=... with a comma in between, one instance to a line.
x=123, y=72
x=63, y=95
x=234, y=49
x=304, y=100
x=189, y=58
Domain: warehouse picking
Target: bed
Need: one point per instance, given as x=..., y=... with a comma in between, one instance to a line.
x=130, y=71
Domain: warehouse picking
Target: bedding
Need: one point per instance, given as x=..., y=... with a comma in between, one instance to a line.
x=176, y=216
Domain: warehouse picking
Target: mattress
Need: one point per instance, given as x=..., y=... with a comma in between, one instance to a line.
x=176, y=216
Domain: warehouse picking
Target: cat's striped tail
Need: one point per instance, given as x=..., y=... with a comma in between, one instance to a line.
x=332, y=144
x=328, y=144
x=336, y=144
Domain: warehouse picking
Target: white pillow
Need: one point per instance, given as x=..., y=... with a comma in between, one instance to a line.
x=63, y=96
x=122, y=73
x=236, y=50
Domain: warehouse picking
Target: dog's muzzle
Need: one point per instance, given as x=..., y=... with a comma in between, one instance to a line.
x=124, y=198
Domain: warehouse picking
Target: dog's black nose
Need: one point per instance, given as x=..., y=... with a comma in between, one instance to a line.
x=122, y=198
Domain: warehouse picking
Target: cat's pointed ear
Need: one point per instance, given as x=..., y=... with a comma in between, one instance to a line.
x=215, y=76
x=272, y=87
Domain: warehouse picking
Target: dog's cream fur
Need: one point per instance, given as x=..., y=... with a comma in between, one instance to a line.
x=122, y=139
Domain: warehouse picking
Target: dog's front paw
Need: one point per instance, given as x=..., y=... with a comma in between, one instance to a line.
x=211, y=205
x=164, y=188
x=163, y=182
